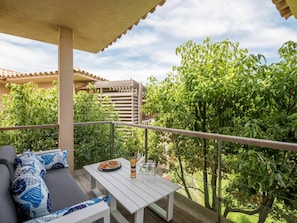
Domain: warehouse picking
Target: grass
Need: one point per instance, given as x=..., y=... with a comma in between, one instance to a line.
x=243, y=218
x=198, y=197
x=235, y=217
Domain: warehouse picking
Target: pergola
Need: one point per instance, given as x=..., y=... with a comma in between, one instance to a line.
x=90, y=25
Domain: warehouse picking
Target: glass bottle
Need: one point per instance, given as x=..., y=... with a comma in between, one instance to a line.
x=133, y=166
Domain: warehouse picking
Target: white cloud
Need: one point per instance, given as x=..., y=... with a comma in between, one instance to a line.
x=149, y=48
x=197, y=18
x=25, y=55
x=135, y=40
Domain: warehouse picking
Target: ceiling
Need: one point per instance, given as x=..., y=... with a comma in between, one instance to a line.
x=96, y=24
x=286, y=8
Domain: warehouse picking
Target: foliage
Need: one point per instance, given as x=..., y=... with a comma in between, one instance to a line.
x=202, y=95
x=92, y=142
x=266, y=177
x=221, y=88
x=29, y=105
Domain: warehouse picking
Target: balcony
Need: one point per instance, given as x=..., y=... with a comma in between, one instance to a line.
x=196, y=181
x=185, y=210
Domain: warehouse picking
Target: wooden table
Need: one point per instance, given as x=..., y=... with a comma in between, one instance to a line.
x=134, y=194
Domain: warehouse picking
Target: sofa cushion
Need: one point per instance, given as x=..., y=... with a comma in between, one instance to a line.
x=31, y=195
x=68, y=210
x=8, y=212
x=63, y=189
x=29, y=159
x=54, y=160
x=7, y=156
x=25, y=169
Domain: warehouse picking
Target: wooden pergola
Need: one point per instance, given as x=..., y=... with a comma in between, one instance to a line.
x=90, y=25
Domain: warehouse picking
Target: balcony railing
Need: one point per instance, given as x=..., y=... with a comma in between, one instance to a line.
x=211, y=174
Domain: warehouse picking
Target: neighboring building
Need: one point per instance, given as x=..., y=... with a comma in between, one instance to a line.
x=45, y=79
x=125, y=95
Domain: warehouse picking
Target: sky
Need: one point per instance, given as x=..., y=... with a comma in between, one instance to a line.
x=149, y=48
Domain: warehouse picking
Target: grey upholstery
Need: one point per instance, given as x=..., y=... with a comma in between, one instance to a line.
x=63, y=189
x=8, y=211
x=7, y=156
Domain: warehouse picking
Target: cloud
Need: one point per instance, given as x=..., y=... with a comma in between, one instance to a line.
x=139, y=38
x=25, y=55
x=149, y=48
x=197, y=18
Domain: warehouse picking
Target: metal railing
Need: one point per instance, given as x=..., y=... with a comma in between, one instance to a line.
x=218, y=138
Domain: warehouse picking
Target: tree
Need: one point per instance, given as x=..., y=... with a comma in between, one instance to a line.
x=91, y=143
x=164, y=99
x=267, y=177
x=203, y=95
x=221, y=88
x=29, y=105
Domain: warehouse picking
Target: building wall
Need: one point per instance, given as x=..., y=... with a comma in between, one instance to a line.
x=126, y=97
x=3, y=90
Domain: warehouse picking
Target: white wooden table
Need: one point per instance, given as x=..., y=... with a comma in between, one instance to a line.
x=133, y=193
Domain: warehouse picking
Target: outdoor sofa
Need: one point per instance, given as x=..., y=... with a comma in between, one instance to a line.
x=54, y=189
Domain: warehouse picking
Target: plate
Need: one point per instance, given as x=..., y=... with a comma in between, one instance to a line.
x=110, y=165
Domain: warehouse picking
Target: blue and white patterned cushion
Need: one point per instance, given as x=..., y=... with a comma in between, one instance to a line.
x=68, y=210
x=20, y=170
x=54, y=160
x=30, y=160
x=31, y=195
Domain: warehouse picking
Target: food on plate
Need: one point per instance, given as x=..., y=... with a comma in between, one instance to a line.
x=113, y=163
x=102, y=165
x=108, y=164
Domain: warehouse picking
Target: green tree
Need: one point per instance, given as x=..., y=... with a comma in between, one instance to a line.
x=203, y=94
x=29, y=105
x=164, y=99
x=216, y=77
x=221, y=88
x=267, y=177
x=92, y=143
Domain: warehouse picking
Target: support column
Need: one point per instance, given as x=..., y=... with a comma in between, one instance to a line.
x=65, y=88
x=140, y=91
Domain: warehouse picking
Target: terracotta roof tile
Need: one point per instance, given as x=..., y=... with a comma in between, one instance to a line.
x=135, y=24
x=89, y=74
x=4, y=74
x=283, y=8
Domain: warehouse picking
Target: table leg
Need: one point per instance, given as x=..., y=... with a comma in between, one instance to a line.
x=114, y=212
x=113, y=203
x=169, y=214
x=139, y=216
x=93, y=183
x=94, y=188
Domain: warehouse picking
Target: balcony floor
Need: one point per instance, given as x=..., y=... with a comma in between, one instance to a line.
x=185, y=210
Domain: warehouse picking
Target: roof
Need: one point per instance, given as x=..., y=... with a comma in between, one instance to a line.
x=41, y=77
x=119, y=83
x=96, y=24
x=286, y=8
